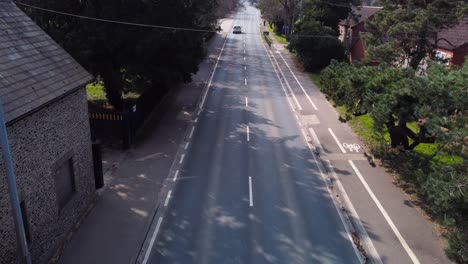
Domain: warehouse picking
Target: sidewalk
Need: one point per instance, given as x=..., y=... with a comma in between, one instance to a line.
x=399, y=230
x=116, y=227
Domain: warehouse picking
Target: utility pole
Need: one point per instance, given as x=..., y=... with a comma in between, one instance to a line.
x=13, y=191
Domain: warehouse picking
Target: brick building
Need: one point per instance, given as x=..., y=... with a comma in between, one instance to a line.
x=452, y=44
x=43, y=94
x=355, y=24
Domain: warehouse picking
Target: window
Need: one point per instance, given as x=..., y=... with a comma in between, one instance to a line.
x=25, y=222
x=64, y=182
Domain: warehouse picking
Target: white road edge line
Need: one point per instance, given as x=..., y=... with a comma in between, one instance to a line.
x=250, y=192
x=153, y=238
x=182, y=157
x=336, y=140
x=317, y=162
x=385, y=214
x=315, y=138
x=248, y=134
x=175, y=175
x=167, y=198
x=371, y=251
x=285, y=81
x=303, y=90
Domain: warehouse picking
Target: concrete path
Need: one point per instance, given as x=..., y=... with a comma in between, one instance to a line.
x=115, y=229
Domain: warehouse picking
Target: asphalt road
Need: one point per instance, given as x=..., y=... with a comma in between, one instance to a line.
x=249, y=189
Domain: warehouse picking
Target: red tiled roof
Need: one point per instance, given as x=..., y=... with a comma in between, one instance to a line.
x=359, y=14
x=454, y=37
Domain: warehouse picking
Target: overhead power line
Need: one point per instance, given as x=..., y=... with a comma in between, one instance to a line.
x=167, y=27
x=113, y=21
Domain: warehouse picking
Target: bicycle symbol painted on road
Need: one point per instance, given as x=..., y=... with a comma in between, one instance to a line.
x=352, y=147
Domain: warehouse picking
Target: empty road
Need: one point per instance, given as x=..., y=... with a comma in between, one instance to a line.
x=249, y=189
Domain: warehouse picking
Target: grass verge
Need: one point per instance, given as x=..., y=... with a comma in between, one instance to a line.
x=95, y=92
x=280, y=38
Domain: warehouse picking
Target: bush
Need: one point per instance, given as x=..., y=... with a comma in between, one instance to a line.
x=316, y=45
x=458, y=247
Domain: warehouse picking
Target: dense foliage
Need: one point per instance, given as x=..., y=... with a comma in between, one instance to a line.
x=406, y=33
x=440, y=99
x=131, y=57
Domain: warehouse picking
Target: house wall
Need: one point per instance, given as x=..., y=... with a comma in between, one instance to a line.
x=357, y=52
x=38, y=142
x=459, y=55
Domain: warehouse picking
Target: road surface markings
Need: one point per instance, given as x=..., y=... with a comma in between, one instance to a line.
x=245, y=68
x=212, y=75
x=299, y=107
x=196, y=120
x=245, y=81
x=250, y=192
x=352, y=147
x=153, y=238
x=315, y=138
x=175, y=175
x=385, y=214
x=300, y=85
x=191, y=132
x=167, y=198
x=182, y=157
x=313, y=155
x=336, y=140
x=371, y=251
x=244, y=58
x=186, y=145
x=246, y=101
x=248, y=134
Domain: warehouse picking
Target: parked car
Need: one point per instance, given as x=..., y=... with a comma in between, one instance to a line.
x=237, y=30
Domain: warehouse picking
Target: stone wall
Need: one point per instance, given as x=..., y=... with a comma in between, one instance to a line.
x=38, y=142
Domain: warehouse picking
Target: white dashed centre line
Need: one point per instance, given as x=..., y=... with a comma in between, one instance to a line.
x=191, y=132
x=175, y=175
x=182, y=157
x=186, y=145
x=248, y=134
x=167, y=198
x=245, y=81
x=246, y=101
x=250, y=192
x=336, y=140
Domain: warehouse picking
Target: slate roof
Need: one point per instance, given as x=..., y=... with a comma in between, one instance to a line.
x=457, y=35
x=361, y=13
x=34, y=69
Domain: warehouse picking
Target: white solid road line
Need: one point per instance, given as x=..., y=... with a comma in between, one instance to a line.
x=167, y=198
x=370, y=248
x=182, y=157
x=303, y=90
x=246, y=101
x=315, y=158
x=336, y=140
x=285, y=81
x=248, y=134
x=191, y=132
x=315, y=138
x=250, y=192
x=385, y=215
x=175, y=175
x=153, y=238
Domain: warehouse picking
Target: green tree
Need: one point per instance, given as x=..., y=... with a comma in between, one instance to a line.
x=125, y=56
x=405, y=32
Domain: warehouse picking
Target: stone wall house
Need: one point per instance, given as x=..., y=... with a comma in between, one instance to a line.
x=43, y=94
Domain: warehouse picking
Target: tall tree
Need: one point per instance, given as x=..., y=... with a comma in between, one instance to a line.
x=405, y=32
x=130, y=56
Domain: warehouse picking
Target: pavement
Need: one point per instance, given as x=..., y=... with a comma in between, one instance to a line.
x=116, y=228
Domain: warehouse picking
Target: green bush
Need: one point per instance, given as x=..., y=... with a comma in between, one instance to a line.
x=458, y=247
